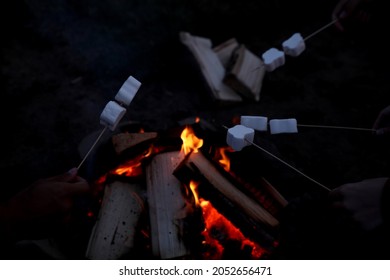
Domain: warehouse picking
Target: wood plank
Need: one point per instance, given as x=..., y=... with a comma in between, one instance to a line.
x=242, y=201
x=126, y=140
x=166, y=206
x=211, y=67
x=113, y=234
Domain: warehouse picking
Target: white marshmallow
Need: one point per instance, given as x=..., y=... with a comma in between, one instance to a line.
x=237, y=136
x=283, y=126
x=273, y=58
x=112, y=114
x=255, y=122
x=294, y=46
x=128, y=90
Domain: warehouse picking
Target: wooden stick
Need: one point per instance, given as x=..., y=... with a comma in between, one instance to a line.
x=320, y=29
x=93, y=146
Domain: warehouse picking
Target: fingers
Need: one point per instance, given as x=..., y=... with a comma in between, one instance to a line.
x=338, y=14
x=345, y=10
x=382, y=122
x=71, y=183
x=79, y=187
x=382, y=131
x=336, y=195
x=69, y=176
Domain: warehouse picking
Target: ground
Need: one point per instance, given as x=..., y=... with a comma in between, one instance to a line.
x=62, y=61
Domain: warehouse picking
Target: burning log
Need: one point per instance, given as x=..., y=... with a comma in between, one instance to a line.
x=126, y=140
x=251, y=217
x=167, y=206
x=113, y=234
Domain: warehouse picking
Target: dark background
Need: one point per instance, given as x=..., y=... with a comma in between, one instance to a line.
x=62, y=61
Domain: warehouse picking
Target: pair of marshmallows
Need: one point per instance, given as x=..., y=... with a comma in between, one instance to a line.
x=114, y=111
x=274, y=58
x=242, y=135
x=276, y=125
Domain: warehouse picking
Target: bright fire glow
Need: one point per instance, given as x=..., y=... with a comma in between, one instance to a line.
x=190, y=141
x=129, y=169
x=133, y=167
x=213, y=219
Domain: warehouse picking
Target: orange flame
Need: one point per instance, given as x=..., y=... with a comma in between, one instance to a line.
x=190, y=141
x=133, y=167
x=222, y=157
x=193, y=187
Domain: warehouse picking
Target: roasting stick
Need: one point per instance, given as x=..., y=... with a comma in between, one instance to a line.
x=294, y=46
x=114, y=110
x=272, y=155
x=337, y=127
x=289, y=165
x=93, y=146
x=320, y=29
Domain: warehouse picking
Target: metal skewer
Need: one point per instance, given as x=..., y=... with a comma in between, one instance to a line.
x=337, y=127
x=289, y=165
x=285, y=163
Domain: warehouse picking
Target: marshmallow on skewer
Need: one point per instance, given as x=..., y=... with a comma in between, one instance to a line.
x=273, y=58
x=112, y=114
x=237, y=136
x=128, y=90
x=294, y=46
x=255, y=122
x=283, y=126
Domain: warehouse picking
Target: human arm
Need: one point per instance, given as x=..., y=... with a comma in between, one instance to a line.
x=42, y=208
x=363, y=202
x=348, y=10
x=382, y=122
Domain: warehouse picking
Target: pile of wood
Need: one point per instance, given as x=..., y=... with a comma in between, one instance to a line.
x=232, y=72
x=163, y=194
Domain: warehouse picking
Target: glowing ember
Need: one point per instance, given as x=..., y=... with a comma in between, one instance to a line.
x=133, y=167
x=129, y=169
x=190, y=141
x=213, y=219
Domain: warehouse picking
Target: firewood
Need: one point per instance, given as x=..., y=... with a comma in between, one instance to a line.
x=274, y=192
x=113, y=234
x=166, y=206
x=126, y=140
x=242, y=201
x=211, y=67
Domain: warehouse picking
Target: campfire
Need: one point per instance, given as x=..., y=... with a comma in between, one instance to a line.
x=169, y=202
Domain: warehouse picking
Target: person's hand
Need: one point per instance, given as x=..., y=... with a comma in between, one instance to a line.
x=43, y=207
x=382, y=122
x=347, y=10
x=361, y=202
